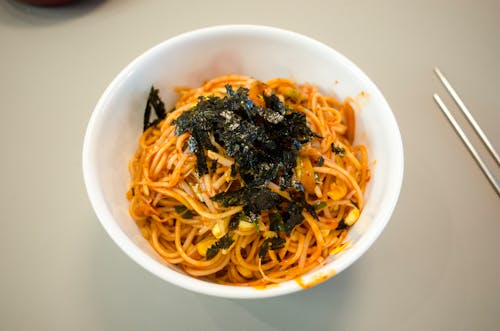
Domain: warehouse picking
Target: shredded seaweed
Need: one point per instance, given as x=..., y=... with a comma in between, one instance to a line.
x=184, y=212
x=292, y=216
x=254, y=199
x=236, y=219
x=276, y=223
x=342, y=225
x=223, y=243
x=154, y=103
x=354, y=203
x=264, y=141
x=340, y=151
x=272, y=243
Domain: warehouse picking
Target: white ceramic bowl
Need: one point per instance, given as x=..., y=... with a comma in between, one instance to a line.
x=261, y=52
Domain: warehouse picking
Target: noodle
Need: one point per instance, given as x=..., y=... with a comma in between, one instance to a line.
x=173, y=203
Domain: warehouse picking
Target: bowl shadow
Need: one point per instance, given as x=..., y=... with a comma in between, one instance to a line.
x=327, y=305
x=118, y=287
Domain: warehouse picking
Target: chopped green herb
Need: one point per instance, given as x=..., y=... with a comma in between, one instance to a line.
x=321, y=161
x=320, y=205
x=256, y=226
x=293, y=94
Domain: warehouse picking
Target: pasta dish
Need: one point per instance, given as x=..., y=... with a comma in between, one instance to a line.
x=247, y=182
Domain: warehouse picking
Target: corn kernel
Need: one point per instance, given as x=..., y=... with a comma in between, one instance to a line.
x=325, y=232
x=220, y=228
x=269, y=234
x=216, y=231
x=204, y=245
x=244, y=226
x=352, y=216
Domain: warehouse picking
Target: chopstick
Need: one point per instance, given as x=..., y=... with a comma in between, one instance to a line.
x=467, y=114
x=461, y=133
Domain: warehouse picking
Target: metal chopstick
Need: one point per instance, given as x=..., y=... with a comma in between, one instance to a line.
x=467, y=143
x=467, y=114
x=461, y=133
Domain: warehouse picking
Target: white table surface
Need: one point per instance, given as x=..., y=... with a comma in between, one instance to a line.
x=435, y=267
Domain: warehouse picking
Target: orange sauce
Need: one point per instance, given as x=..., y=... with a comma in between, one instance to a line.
x=317, y=279
x=265, y=287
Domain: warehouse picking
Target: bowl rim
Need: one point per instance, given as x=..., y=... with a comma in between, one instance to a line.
x=106, y=219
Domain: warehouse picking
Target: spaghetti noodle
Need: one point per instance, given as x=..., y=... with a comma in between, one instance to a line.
x=185, y=200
